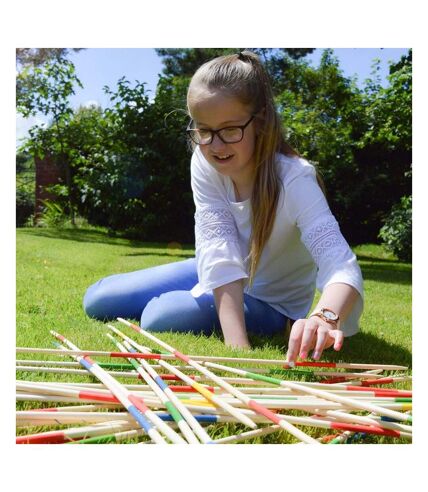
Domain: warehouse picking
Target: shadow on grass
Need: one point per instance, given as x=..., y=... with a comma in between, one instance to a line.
x=102, y=237
x=362, y=347
x=174, y=252
x=378, y=259
x=398, y=273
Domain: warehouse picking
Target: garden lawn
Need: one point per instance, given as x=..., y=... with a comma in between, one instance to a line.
x=55, y=267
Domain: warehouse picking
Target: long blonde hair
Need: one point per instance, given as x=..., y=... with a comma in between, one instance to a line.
x=244, y=77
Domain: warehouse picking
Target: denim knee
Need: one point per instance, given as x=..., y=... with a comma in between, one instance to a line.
x=179, y=311
x=93, y=301
x=100, y=303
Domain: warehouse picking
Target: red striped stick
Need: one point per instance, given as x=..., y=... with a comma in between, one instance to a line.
x=240, y=360
x=257, y=407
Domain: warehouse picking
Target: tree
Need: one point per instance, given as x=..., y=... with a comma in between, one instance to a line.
x=359, y=139
x=51, y=86
x=35, y=57
x=185, y=61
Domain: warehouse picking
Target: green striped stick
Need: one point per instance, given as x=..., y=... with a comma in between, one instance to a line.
x=257, y=407
x=156, y=386
x=327, y=395
x=198, y=387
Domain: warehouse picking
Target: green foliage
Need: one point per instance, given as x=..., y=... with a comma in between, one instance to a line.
x=389, y=110
x=128, y=165
x=133, y=172
x=359, y=143
x=25, y=189
x=53, y=215
x=183, y=62
x=396, y=233
x=46, y=89
x=24, y=206
x=38, y=56
x=51, y=86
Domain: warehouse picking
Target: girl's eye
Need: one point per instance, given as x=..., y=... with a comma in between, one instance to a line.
x=230, y=132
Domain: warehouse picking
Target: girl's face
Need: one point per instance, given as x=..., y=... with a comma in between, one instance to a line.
x=214, y=110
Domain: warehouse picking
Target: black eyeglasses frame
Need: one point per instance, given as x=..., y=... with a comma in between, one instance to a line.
x=189, y=131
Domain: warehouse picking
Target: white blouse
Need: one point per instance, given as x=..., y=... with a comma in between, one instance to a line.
x=305, y=250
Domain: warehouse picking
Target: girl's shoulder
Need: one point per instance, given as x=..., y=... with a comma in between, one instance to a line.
x=291, y=167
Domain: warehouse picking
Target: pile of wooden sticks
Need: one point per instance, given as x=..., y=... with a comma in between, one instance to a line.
x=177, y=403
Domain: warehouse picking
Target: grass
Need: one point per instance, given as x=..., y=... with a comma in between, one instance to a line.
x=55, y=267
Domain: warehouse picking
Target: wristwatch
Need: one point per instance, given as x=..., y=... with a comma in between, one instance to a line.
x=327, y=315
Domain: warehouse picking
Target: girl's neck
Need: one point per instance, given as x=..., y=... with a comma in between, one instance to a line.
x=243, y=182
x=243, y=188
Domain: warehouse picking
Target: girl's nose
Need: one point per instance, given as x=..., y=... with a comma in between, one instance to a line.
x=217, y=143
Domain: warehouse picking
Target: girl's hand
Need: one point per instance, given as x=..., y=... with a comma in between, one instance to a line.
x=312, y=333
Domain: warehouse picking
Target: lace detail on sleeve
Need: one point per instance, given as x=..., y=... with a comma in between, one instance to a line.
x=324, y=240
x=214, y=223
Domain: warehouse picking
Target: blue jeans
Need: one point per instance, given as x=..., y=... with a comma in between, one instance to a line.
x=160, y=297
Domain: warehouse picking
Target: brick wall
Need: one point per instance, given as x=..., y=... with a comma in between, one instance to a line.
x=47, y=173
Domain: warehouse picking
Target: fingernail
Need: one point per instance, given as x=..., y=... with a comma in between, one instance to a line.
x=316, y=355
x=303, y=355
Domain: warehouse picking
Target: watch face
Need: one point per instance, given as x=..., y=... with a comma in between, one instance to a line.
x=329, y=315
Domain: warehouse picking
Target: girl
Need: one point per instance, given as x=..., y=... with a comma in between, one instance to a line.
x=265, y=236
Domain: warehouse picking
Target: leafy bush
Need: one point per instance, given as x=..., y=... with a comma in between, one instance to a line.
x=56, y=215
x=396, y=233
x=24, y=206
x=53, y=215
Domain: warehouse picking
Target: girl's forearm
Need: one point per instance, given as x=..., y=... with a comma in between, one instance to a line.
x=338, y=297
x=229, y=301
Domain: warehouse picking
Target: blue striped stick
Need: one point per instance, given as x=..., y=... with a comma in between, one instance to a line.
x=250, y=403
x=237, y=413
x=140, y=368
x=193, y=423
x=132, y=404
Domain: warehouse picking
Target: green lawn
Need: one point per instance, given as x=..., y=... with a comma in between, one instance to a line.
x=54, y=268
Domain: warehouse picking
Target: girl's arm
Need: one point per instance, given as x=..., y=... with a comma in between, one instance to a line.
x=316, y=333
x=229, y=300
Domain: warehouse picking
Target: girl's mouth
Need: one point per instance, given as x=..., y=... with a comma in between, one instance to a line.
x=224, y=159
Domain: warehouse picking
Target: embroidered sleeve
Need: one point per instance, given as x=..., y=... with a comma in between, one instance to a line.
x=214, y=223
x=218, y=253
x=324, y=240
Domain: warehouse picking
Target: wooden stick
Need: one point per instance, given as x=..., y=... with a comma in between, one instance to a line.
x=38, y=418
x=156, y=386
x=201, y=389
x=244, y=436
x=69, y=435
x=240, y=360
x=134, y=406
x=125, y=374
x=328, y=395
x=257, y=407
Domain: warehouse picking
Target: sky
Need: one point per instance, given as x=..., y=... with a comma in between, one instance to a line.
x=97, y=67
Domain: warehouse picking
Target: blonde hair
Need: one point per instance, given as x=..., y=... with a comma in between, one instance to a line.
x=244, y=77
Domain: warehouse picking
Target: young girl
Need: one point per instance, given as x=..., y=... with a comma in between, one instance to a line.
x=265, y=236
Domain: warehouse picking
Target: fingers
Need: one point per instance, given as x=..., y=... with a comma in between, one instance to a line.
x=339, y=338
x=323, y=340
x=307, y=333
x=295, y=340
x=309, y=336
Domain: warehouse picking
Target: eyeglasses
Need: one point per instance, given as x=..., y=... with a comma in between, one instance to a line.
x=230, y=134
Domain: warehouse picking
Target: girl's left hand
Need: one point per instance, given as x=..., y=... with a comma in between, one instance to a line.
x=312, y=333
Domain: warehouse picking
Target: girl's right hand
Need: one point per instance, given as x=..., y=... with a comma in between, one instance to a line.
x=310, y=333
